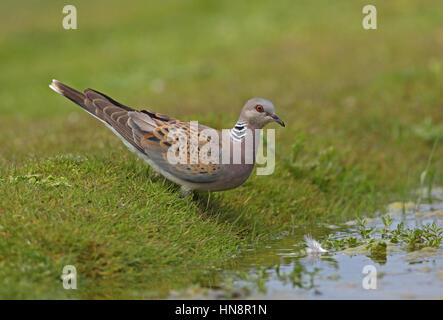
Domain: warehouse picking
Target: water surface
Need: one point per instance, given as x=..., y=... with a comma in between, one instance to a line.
x=281, y=269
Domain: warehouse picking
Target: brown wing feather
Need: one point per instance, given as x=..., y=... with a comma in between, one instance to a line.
x=147, y=131
x=157, y=143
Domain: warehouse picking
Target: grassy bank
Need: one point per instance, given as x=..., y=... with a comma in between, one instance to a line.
x=363, y=109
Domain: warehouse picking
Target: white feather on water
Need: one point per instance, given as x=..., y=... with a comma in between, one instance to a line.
x=313, y=246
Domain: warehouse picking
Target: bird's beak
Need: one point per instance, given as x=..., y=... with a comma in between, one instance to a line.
x=275, y=118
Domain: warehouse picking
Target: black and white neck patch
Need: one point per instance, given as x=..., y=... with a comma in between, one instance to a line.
x=239, y=131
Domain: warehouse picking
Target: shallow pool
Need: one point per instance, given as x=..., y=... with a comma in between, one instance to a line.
x=281, y=269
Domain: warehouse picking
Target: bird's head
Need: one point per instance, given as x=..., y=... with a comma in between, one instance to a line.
x=258, y=112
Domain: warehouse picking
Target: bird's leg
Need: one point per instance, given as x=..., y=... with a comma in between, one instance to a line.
x=209, y=197
x=185, y=191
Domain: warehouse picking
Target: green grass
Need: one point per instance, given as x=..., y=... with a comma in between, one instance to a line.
x=363, y=109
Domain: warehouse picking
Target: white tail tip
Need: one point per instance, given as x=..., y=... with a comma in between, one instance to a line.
x=54, y=87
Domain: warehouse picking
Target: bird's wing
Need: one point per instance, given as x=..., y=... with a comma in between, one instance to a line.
x=148, y=132
x=167, y=136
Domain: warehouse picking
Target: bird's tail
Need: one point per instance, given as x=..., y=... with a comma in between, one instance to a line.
x=70, y=93
x=85, y=100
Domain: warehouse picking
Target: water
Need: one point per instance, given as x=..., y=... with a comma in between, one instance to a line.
x=283, y=270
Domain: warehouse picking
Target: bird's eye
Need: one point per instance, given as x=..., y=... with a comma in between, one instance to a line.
x=259, y=108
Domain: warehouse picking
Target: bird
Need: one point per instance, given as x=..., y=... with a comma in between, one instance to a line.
x=148, y=134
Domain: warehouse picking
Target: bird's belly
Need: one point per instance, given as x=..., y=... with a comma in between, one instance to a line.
x=236, y=176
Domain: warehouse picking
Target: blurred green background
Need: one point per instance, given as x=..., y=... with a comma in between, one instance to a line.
x=363, y=110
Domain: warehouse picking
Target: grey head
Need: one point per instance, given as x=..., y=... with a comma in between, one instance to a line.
x=258, y=112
